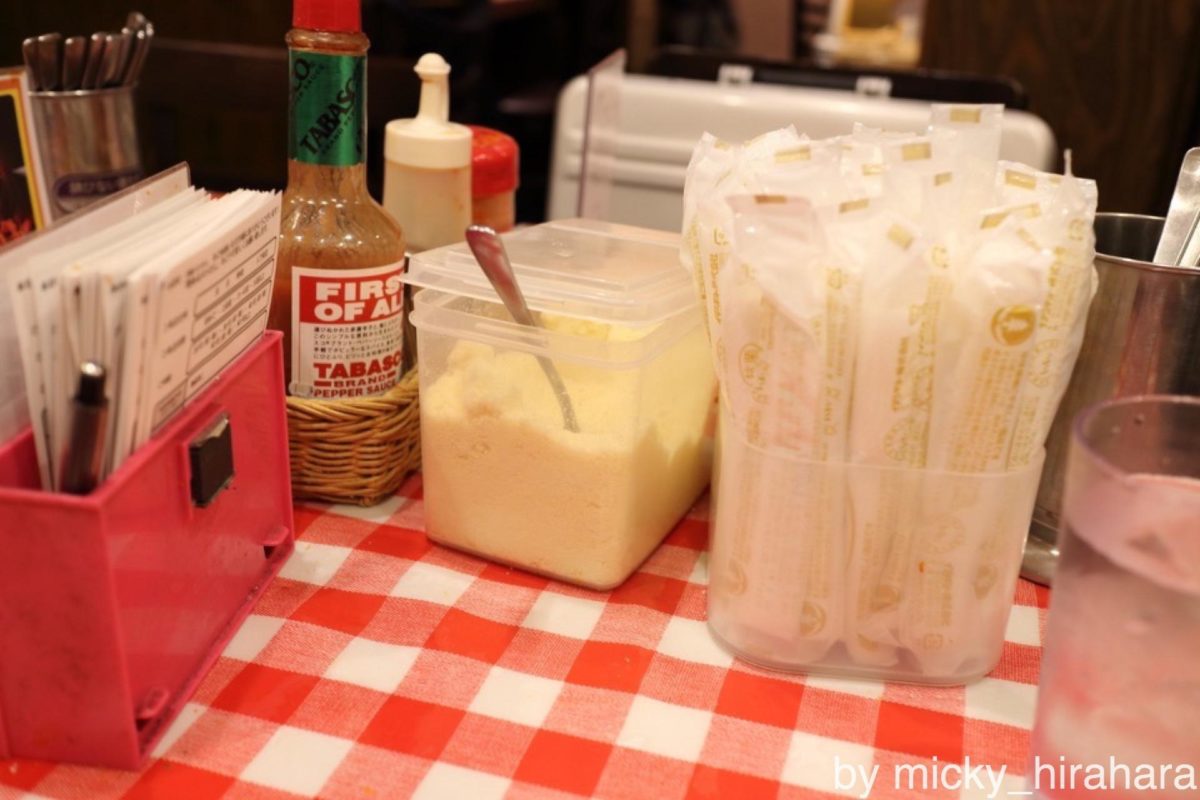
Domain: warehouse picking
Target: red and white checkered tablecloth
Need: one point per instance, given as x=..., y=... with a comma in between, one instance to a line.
x=379, y=665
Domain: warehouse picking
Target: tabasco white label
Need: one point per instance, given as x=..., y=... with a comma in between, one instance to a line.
x=347, y=331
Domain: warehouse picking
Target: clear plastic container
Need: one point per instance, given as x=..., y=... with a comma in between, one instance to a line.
x=503, y=477
x=865, y=571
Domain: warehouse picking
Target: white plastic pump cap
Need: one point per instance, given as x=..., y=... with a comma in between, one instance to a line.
x=429, y=140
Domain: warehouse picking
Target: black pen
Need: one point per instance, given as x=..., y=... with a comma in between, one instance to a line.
x=89, y=423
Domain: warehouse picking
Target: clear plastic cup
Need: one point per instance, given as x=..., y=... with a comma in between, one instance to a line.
x=1120, y=685
x=863, y=571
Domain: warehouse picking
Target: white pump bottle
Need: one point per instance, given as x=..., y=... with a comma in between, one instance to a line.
x=427, y=176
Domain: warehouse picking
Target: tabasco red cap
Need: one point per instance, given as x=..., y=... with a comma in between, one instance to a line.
x=493, y=162
x=339, y=16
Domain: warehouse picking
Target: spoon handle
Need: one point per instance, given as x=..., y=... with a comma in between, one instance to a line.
x=74, y=52
x=50, y=61
x=1180, y=227
x=489, y=252
x=29, y=48
x=94, y=64
x=560, y=391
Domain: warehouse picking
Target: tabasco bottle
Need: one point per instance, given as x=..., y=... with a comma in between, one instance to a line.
x=338, y=298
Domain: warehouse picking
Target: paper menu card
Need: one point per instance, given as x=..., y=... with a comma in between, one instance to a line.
x=14, y=405
x=197, y=314
x=161, y=284
x=69, y=302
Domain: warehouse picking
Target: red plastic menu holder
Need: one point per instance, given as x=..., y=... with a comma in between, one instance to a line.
x=114, y=605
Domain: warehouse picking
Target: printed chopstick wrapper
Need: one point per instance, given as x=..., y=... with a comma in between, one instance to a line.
x=901, y=304
x=717, y=172
x=972, y=132
x=1010, y=336
x=783, y=581
x=894, y=318
x=1062, y=225
x=984, y=347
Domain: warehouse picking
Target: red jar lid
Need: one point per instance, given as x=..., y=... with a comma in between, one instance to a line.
x=338, y=16
x=494, y=161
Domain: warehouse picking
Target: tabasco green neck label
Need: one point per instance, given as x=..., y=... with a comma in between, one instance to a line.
x=327, y=125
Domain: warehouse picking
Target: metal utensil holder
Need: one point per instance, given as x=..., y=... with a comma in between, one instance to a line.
x=1142, y=337
x=89, y=144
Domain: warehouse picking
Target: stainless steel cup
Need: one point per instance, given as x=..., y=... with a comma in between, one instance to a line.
x=89, y=144
x=1142, y=337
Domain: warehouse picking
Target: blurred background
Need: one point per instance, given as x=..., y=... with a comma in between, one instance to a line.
x=1117, y=80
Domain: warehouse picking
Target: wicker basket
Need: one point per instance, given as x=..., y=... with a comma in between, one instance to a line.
x=355, y=451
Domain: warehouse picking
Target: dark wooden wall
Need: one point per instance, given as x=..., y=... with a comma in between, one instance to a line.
x=1117, y=80
x=261, y=22
x=213, y=58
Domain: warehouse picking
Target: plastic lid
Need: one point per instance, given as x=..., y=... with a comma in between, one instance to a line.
x=429, y=140
x=581, y=268
x=494, y=160
x=342, y=16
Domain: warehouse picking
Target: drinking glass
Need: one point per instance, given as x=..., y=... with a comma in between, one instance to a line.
x=1120, y=691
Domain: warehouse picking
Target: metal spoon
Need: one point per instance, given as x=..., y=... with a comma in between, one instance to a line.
x=116, y=53
x=1180, y=228
x=29, y=48
x=49, y=52
x=94, y=65
x=141, y=48
x=74, y=55
x=493, y=260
